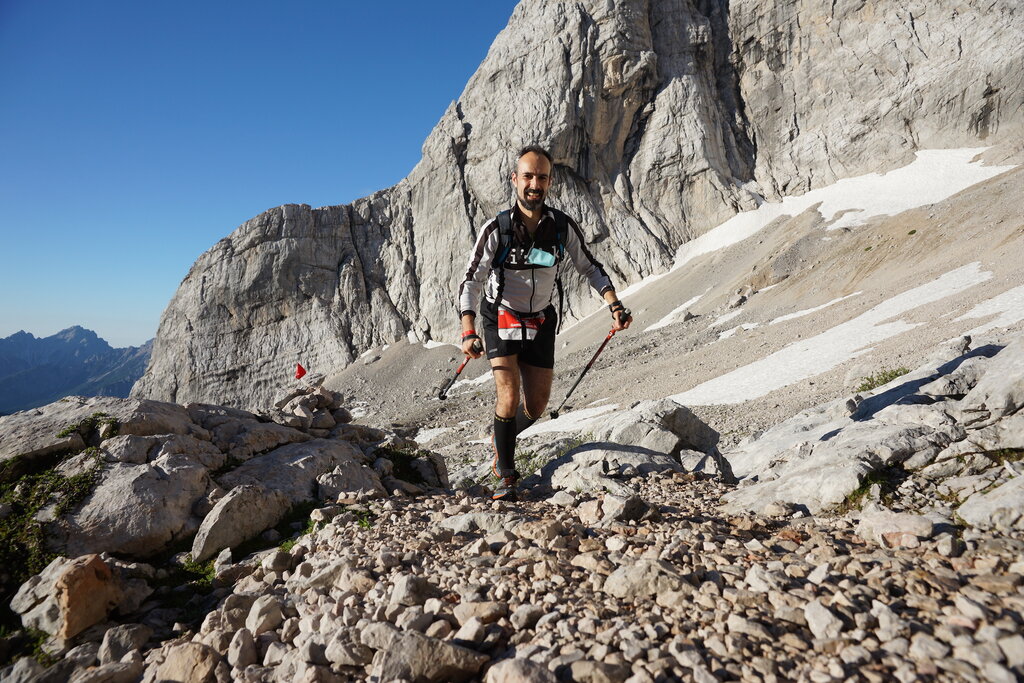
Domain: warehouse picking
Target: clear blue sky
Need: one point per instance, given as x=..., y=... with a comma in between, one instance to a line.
x=134, y=135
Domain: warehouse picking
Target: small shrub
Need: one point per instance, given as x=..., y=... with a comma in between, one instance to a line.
x=199, y=574
x=880, y=378
x=912, y=232
x=1005, y=455
x=867, y=248
x=888, y=480
x=402, y=461
x=90, y=424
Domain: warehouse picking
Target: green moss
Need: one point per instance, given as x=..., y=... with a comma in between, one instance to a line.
x=888, y=479
x=403, y=460
x=912, y=232
x=1005, y=455
x=90, y=424
x=365, y=518
x=199, y=575
x=880, y=378
x=23, y=549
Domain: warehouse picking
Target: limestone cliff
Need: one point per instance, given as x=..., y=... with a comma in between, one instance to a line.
x=664, y=119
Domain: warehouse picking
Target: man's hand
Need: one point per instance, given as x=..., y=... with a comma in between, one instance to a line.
x=471, y=345
x=621, y=317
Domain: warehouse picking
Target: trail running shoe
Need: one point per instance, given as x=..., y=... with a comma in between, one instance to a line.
x=506, y=490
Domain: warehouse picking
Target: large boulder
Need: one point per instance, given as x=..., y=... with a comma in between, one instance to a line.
x=240, y=515
x=137, y=509
x=29, y=437
x=412, y=656
x=821, y=474
x=663, y=426
x=643, y=579
x=292, y=470
x=68, y=596
x=602, y=466
x=1001, y=508
x=1000, y=391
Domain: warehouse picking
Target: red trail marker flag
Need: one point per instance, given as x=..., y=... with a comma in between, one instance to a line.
x=299, y=371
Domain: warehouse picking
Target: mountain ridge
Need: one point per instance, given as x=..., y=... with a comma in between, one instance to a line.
x=645, y=107
x=35, y=371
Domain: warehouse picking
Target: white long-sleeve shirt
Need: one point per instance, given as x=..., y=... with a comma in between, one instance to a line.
x=521, y=286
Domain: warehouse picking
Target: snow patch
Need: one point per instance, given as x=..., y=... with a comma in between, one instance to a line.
x=730, y=332
x=800, y=314
x=425, y=435
x=933, y=176
x=1008, y=306
x=574, y=421
x=725, y=318
x=431, y=344
x=482, y=379
x=813, y=356
x=675, y=314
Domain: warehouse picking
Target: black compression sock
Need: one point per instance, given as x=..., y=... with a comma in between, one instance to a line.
x=505, y=444
x=523, y=419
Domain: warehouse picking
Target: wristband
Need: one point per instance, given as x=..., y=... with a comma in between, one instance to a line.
x=472, y=335
x=468, y=333
x=615, y=306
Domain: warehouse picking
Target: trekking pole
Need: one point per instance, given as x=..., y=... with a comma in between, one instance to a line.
x=443, y=393
x=611, y=333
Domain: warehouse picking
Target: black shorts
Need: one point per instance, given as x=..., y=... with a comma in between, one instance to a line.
x=538, y=352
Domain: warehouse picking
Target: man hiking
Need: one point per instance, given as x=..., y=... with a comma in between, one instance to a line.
x=514, y=268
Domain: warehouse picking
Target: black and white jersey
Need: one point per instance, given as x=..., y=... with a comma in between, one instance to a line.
x=520, y=285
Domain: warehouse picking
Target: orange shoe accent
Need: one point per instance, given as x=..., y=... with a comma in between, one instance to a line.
x=494, y=463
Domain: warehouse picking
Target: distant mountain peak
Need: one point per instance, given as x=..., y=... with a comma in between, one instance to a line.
x=35, y=371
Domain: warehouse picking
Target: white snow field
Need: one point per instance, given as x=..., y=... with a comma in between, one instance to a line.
x=576, y=420
x=800, y=314
x=674, y=315
x=934, y=175
x=1008, y=308
x=809, y=357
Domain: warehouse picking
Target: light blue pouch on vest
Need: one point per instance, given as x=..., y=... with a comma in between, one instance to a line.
x=539, y=257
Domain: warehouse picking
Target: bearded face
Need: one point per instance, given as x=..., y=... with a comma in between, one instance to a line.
x=532, y=179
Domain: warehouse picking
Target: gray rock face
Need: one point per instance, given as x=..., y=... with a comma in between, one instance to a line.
x=952, y=416
x=663, y=118
x=240, y=515
x=1001, y=508
x=292, y=470
x=119, y=516
x=901, y=76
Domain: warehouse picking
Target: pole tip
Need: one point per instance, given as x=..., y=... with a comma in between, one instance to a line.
x=554, y=414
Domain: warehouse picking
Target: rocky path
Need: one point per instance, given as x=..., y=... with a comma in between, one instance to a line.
x=656, y=588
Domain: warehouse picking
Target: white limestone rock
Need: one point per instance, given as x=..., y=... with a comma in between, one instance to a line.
x=242, y=514
x=1001, y=508
x=292, y=470
x=1000, y=391
x=137, y=509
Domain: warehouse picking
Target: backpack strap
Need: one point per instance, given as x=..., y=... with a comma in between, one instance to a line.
x=561, y=230
x=505, y=239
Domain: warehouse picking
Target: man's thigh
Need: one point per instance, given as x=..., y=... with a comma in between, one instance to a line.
x=536, y=387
